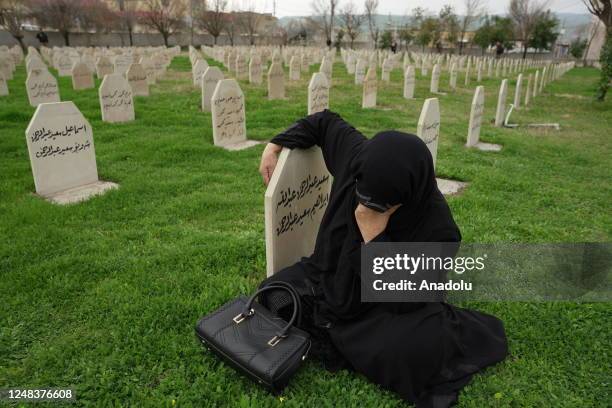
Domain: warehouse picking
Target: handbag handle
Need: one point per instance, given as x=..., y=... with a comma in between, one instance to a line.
x=248, y=311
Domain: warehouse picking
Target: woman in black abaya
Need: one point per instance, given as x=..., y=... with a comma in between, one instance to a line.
x=384, y=189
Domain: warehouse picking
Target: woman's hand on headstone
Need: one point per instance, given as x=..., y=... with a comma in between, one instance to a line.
x=269, y=158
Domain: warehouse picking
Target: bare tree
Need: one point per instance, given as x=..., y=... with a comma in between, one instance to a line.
x=195, y=9
x=61, y=15
x=231, y=27
x=325, y=10
x=127, y=18
x=473, y=11
x=213, y=19
x=525, y=14
x=351, y=21
x=13, y=13
x=164, y=16
x=371, y=8
x=249, y=21
x=602, y=9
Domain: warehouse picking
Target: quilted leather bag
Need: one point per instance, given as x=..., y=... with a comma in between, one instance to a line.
x=256, y=342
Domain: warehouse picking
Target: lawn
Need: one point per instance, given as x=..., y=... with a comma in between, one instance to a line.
x=102, y=296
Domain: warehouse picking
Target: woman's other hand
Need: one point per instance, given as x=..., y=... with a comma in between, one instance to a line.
x=371, y=223
x=269, y=157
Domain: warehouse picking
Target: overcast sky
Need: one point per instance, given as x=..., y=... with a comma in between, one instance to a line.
x=303, y=7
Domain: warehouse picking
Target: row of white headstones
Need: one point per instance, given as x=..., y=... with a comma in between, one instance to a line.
x=62, y=154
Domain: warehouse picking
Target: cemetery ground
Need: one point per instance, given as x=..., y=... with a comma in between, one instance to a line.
x=103, y=295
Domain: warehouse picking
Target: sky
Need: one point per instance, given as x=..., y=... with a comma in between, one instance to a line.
x=303, y=7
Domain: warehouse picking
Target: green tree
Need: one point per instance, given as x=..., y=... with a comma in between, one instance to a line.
x=386, y=39
x=577, y=47
x=406, y=36
x=493, y=30
x=602, y=9
x=428, y=32
x=483, y=37
x=449, y=23
x=545, y=32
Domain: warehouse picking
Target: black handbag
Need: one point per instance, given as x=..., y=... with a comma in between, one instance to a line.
x=256, y=342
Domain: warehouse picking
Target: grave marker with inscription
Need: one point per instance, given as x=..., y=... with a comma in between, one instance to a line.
x=228, y=116
x=3, y=86
x=295, y=201
x=435, y=79
x=42, y=87
x=318, y=93
x=116, y=101
x=209, y=83
x=198, y=70
x=137, y=78
x=501, y=103
x=255, y=70
x=473, y=139
x=62, y=154
x=82, y=77
x=104, y=67
x=409, y=82
x=369, y=89
x=276, y=81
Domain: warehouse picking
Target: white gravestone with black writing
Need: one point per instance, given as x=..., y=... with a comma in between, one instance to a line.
x=241, y=67
x=295, y=201
x=62, y=155
x=318, y=93
x=276, y=81
x=122, y=63
x=3, y=86
x=369, y=89
x=64, y=65
x=104, y=67
x=475, y=124
x=198, y=70
x=137, y=78
x=228, y=116
x=501, y=103
x=294, y=69
x=82, y=77
x=209, y=83
x=116, y=99
x=255, y=70
x=42, y=87
x=409, y=82
x=428, y=129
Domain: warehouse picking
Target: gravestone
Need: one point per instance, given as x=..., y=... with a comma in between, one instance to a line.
x=409, y=82
x=209, y=83
x=35, y=63
x=528, y=90
x=137, y=78
x=3, y=86
x=62, y=155
x=360, y=71
x=276, y=82
x=255, y=70
x=6, y=67
x=149, y=68
x=295, y=201
x=326, y=68
x=241, y=67
x=122, y=63
x=473, y=139
x=116, y=101
x=82, y=77
x=294, y=69
x=428, y=129
x=228, y=116
x=517, y=92
x=369, y=89
x=318, y=93
x=535, y=84
x=467, y=73
x=198, y=70
x=435, y=79
x=64, y=65
x=41, y=87
x=387, y=67
x=501, y=103
x=104, y=67
x=453, y=77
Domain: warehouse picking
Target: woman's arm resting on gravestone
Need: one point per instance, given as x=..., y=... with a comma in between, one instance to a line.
x=372, y=223
x=338, y=140
x=269, y=158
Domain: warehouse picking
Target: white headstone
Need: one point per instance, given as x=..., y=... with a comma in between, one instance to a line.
x=228, y=116
x=294, y=69
x=82, y=77
x=241, y=67
x=137, y=78
x=3, y=86
x=255, y=70
x=360, y=71
x=409, y=82
x=318, y=93
x=501, y=103
x=116, y=100
x=42, y=87
x=103, y=67
x=370, y=87
x=428, y=127
x=209, y=83
x=198, y=70
x=122, y=63
x=62, y=154
x=276, y=81
x=435, y=79
x=476, y=117
x=295, y=201
x=64, y=65
x=517, y=91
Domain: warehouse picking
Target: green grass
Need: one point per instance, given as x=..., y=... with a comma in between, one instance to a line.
x=102, y=296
